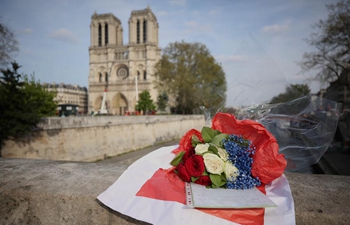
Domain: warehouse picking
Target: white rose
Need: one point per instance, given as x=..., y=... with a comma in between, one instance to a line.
x=213, y=163
x=201, y=148
x=231, y=171
x=223, y=154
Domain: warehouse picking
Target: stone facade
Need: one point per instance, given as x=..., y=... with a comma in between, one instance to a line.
x=70, y=94
x=122, y=71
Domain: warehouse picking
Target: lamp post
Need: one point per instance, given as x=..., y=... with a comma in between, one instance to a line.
x=136, y=89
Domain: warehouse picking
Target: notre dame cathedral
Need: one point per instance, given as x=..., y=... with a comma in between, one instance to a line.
x=122, y=71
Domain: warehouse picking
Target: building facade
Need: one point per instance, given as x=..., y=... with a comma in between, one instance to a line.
x=120, y=72
x=70, y=94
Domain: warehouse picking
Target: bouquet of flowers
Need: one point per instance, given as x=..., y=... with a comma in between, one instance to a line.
x=218, y=160
x=232, y=154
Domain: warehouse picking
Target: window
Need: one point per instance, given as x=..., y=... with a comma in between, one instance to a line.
x=126, y=55
x=138, y=32
x=144, y=31
x=138, y=75
x=145, y=75
x=106, y=77
x=99, y=35
x=106, y=34
x=100, y=77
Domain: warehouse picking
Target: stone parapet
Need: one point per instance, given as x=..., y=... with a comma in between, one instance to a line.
x=94, y=138
x=60, y=192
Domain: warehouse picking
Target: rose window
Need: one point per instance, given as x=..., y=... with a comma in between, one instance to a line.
x=122, y=73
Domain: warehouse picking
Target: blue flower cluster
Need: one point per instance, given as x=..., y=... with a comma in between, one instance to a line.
x=240, y=153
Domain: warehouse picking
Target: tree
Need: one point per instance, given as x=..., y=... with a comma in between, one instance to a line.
x=38, y=97
x=332, y=42
x=145, y=103
x=22, y=103
x=162, y=101
x=8, y=44
x=293, y=91
x=190, y=74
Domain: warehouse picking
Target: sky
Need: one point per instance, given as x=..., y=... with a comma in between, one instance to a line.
x=258, y=43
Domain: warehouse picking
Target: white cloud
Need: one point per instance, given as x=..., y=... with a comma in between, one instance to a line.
x=27, y=31
x=162, y=13
x=178, y=2
x=194, y=26
x=63, y=35
x=232, y=58
x=275, y=28
x=214, y=12
x=191, y=24
x=195, y=13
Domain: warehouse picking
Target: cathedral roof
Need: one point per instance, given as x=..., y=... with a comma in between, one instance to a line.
x=144, y=11
x=104, y=16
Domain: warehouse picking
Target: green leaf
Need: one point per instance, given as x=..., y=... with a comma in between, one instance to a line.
x=208, y=134
x=217, y=140
x=213, y=149
x=193, y=179
x=215, y=180
x=195, y=140
x=223, y=179
x=176, y=161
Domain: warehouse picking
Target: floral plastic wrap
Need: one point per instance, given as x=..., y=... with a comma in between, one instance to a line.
x=303, y=128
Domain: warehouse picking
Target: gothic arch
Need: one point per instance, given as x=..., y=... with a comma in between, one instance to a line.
x=119, y=104
x=106, y=34
x=145, y=31
x=138, y=31
x=138, y=74
x=99, y=75
x=99, y=34
x=97, y=104
x=144, y=75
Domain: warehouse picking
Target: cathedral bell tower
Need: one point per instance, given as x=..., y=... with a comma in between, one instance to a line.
x=143, y=27
x=118, y=72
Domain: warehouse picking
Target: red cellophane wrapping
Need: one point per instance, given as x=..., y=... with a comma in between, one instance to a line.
x=268, y=164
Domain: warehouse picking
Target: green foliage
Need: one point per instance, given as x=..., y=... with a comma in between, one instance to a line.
x=22, y=104
x=39, y=98
x=162, y=101
x=217, y=180
x=145, y=103
x=293, y=91
x=331, y=40
x=176, y=161
x=189, y=73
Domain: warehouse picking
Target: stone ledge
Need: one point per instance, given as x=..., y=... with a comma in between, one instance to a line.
x=59, y=192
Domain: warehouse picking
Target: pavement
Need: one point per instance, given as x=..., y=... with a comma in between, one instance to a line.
x=131, y=157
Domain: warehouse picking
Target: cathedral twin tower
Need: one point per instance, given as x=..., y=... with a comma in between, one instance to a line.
x=124, y=70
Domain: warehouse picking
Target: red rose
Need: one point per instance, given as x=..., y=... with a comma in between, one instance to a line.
x=203, y=180
x=188, y=154
x=182, y=173
x=195, y=165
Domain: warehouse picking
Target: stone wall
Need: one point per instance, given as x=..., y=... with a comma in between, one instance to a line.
x=58, y=192
x=93, y=138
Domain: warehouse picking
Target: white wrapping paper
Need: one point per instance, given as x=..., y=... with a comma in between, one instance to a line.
x=121, y=197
